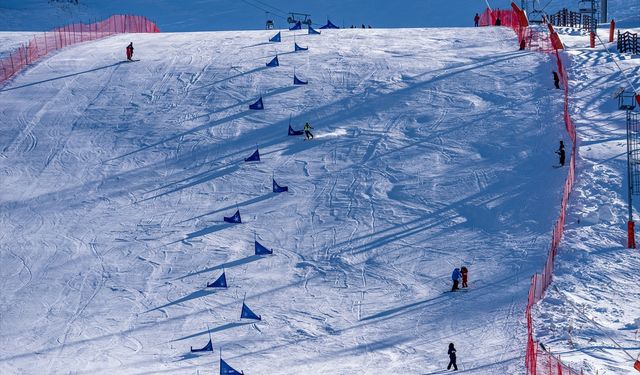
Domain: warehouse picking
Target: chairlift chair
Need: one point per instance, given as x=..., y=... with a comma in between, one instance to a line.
x=305, y=21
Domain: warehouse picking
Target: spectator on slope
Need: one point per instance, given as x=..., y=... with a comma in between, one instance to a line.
x=307, y=131
x=452, y=357
x=455, y=276
x=556, y=79
x=476, y=20
x=498, y=22
x=523, y=44
x=464, y=271
x=130, y=52
x=561, y=154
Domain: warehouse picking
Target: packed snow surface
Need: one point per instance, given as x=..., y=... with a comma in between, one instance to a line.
x=433, y=149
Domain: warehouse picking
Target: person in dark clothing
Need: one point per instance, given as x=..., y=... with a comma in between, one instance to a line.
x=561, y=153
x=464, y=271
x=130, y=52
x=523, y=44
x=498, y=22
x=455, y=276
x=556, y=79
x=307, y=131
x=476, y=20
x=452, y=358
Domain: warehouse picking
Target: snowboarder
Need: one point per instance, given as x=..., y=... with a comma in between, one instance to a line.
x=476, y=20
x=561, y=153
x=455, y=276
x=130, y=52
x=464, y=271
x=452, y=358
x=307, y=131
x=556, y=79
x=498, y=22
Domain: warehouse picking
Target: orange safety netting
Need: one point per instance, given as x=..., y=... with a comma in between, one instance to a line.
x=538, y=38
x=41, y=45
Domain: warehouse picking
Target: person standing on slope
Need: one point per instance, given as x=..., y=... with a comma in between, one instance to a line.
x=498, y=21
x=307, y=131
x=464, y=271
x=130, y=52
x=455, y=276
x=561, y=153
x=476, y=20
x=452, y=358
x=556, y=80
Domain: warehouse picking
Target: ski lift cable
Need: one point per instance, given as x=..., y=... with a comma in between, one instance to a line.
x=598, y=325
x=263, y=9
x=270, y=6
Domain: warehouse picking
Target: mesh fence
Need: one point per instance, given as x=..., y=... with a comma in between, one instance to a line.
x=42, y=44
x=542, y=39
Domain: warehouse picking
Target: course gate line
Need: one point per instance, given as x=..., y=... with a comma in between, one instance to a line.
x=537, y=38
x=40, y=45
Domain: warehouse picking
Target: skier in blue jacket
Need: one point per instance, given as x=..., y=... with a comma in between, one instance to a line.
x=455, y=276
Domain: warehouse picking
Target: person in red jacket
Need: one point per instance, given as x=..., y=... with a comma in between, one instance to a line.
x=464, y=271
x=130, y=52
x=476, y=19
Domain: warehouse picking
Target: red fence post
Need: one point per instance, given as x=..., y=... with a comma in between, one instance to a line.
x=612, y=28
x=592, y=40
x=631, y=240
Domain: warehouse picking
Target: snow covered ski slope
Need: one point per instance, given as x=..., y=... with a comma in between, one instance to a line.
x=433, y=149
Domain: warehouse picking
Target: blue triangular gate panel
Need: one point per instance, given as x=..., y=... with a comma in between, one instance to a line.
x=298, y=81
x=248, y=314
x=225, y=369
x=261, y=250
x=235, y=219
x=254, y=157
x=273, y=63
x=257, y=105
x=329, y=25
x=295, y=132
x=207, y=348
x=278, y=189
x=221, y=282
x=297, y=26
x=313, y=31
x=276, y=38
x=298, y=48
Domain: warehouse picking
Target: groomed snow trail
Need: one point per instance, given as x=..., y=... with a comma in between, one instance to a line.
x=433, y=149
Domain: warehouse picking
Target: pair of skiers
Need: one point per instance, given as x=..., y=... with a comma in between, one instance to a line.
x=459, y=273
x=130, y=51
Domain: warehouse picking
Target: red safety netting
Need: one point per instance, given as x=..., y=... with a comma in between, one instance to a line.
x=537, y=38
x=41, y=45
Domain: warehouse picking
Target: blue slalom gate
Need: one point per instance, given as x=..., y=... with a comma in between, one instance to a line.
x=246, y=313
x=276, y=38
x=297, y=48
x=225, y=369
x=273, y=63
x=221, y=282
x=329, y=25
x=258, y=105
x=277, y=188
x=298, y=81
x=254, y=157
x=261, y=250
x=207, y=348
x=235, y=219
x=313, y=31
x=297, y=26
